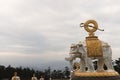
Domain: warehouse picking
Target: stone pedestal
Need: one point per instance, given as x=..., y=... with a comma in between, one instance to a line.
x=95, y=75
x=97, y=78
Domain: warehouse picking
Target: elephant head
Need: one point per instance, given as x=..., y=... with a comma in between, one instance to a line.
x=74, y=53
x=78, y=51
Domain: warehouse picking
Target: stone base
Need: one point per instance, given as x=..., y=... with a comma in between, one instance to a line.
x=97, y=78
x=95, y=75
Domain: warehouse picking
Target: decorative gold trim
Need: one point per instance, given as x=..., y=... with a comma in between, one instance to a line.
x=95, y=74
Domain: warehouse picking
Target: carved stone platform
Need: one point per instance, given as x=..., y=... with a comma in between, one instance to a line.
x=95, y=76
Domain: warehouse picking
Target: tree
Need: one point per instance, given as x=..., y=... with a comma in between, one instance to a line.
x=66, y=72
x=2, y=70
x=117, y=65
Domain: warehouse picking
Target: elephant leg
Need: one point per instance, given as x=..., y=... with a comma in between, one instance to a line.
x=108, y=63
x=82, y=65
x=90, y=65
x=100, y=64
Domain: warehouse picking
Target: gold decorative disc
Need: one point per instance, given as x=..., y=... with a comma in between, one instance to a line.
x=94, y=28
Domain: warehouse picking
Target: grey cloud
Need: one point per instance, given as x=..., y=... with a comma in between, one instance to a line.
x=26, y=42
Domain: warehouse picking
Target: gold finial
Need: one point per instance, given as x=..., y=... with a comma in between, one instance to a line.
x=90, y=26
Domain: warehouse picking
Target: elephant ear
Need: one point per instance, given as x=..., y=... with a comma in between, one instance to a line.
x=80, y=48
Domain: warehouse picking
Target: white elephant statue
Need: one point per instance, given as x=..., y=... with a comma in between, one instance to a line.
x=79, y=51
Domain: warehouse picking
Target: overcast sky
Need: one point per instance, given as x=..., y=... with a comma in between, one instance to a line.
x=38, y=33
